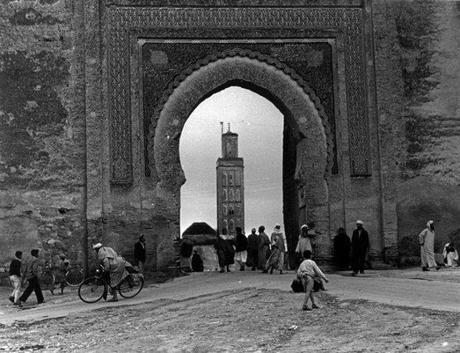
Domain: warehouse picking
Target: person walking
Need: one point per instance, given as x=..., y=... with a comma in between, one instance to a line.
x=32, y=274
x=139, y=253
x=303, y=243
x=342, y=246
x=59, y=273
x=263, y=248
x=307, y=272
x=225, y=250
x=359, y=248
x=241, y=247
x=273, y=262
x=426, y=241
x=253, y=245
x=15, y=277
x=279, y=238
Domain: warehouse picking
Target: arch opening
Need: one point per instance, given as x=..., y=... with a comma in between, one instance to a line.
x=259, y=125
x=310, y=150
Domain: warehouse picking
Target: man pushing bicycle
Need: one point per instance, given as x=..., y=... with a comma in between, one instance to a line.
x=114, y=265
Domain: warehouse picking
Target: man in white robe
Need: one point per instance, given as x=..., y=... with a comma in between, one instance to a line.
x=426, y=241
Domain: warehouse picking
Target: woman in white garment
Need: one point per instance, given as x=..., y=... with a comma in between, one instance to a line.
x=450, y=255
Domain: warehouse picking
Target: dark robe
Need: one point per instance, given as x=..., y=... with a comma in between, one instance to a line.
x=225, y=251
x=197, y=263
x=253, y=245
x=186, y=249
x=139, y=252
x=359, y=248
x=241, y=242
x=342, y=246
x=263, y=250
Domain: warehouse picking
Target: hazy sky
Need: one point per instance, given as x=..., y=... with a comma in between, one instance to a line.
x=259, y=125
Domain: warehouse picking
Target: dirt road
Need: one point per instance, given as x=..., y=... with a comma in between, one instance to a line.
x=251, y=312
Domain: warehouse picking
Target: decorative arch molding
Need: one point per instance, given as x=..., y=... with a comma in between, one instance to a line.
x=277, y=83
x=244, y=53
x=346, y=22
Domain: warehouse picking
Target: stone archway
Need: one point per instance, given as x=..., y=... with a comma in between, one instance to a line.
x=302, y=110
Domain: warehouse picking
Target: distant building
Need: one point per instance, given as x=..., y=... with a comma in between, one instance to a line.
x=230, y=185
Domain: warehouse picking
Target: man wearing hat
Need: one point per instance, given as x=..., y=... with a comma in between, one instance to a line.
x=359, y=248
x=139, y=253
x=114, y=264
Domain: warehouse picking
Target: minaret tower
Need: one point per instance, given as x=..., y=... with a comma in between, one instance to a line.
x=230, y=185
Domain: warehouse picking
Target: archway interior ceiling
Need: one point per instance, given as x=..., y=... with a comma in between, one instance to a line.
x=162, y=62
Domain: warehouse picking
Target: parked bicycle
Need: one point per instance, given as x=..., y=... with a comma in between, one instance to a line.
x=92, y=289
x=52, y=276
x=74, y=276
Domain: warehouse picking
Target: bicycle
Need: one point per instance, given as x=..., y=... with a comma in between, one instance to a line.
x=74, y=276
x=92, y=289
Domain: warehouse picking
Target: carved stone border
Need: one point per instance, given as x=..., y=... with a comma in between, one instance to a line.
x=122, y=20
x=238, y=52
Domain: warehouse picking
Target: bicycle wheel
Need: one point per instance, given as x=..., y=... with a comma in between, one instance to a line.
x=131, y=285
x=92, y=289
x=74, y=277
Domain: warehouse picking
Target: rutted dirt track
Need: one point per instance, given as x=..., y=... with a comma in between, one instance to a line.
x=243, y=319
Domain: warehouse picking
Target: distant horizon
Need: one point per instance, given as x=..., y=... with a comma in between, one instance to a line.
x=259, y=125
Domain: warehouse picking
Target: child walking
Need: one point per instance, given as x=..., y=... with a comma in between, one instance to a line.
x=308, y=269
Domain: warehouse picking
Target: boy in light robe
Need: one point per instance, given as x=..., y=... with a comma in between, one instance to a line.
x=307, y=271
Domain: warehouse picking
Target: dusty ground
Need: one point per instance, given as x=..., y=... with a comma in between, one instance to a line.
x=247, y=318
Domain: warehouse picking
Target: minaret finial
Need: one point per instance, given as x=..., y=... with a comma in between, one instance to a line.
x=228, y=127
x=221, y=127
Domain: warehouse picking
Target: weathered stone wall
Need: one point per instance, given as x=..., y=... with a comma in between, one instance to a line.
x=41, y=134
x=55, y=142
x=418, y=73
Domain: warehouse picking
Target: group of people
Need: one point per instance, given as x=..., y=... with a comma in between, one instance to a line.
x=29, y=273
x=257, y=251
x=267, y=253
x=427, y=255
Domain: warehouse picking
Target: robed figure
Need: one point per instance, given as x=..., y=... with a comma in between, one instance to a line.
x=253, y=245
x=263, y=248
x=426, y=240
x=225, y=250
x=342, y=246
x=359, y=248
